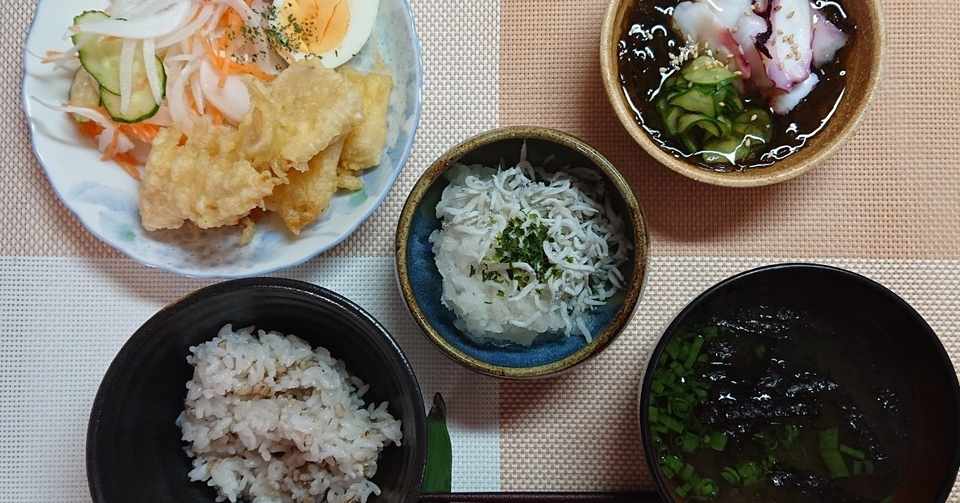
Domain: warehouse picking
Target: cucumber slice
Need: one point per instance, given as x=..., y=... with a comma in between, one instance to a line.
x=142, y=106
x=754, y=122
x=696, y=101
x=707, y=124
x=707, y=70
x=99, y=55
x=671, y=118
x=725, y=125
x=721, y=150
x=84, y=92
x=85, y=17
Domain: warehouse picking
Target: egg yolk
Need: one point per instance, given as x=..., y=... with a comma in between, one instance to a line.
x=316, y=26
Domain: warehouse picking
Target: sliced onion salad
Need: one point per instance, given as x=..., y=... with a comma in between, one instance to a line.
x=171, y=33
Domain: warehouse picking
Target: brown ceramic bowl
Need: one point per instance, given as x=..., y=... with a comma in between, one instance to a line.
x=863, y=67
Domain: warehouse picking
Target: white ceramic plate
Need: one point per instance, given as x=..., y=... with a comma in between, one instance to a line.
x=104, y=198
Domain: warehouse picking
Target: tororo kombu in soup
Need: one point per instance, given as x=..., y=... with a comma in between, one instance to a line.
x=734, y=84
x=767, y=405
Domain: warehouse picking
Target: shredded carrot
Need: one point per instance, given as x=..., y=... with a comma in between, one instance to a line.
x=226, y=66
x=143, y=132
x=90, y=129
x=215, y=115
x=252, y=70
x=232, y=21
x=129, y=164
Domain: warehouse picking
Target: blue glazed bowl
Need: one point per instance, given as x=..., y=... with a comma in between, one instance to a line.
x=421, y=284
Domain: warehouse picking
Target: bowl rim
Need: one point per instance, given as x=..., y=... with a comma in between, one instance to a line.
x=640, y=255
x=617, y=99
x=315, y=293
x=236, y=272
x=646, y=382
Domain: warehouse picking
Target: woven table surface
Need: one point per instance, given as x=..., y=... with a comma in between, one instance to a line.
x=886, y=205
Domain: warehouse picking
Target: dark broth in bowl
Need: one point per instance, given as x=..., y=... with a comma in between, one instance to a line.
x=768, y=406
x=647, y=48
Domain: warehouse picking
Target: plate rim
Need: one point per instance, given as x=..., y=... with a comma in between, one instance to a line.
x=193, y=273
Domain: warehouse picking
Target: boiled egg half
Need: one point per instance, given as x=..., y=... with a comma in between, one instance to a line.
x=331, y=31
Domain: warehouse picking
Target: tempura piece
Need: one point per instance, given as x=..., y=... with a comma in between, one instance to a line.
x=307, y=194
x=298, y=115
x=365, y=143
x=349, y=182
x=204, y=181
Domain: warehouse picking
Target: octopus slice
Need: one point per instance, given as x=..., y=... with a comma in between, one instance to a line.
x=699, y=24
x=791, y=43
x=784, y=102
x=728, y=12
x=748, y=29
x=827, y=40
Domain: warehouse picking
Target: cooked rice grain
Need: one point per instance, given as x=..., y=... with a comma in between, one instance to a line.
x=267, y=419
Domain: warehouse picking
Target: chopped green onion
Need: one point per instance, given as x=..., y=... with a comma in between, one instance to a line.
x=749, y=472
x=671, y=423
x=653, y=413
x=830, y=453
x=791, y=433
x=730, y=475
x=694, y=352
x=717, y=441
x=853, y=453
x=830, y=439
x=707, y=488
x=834, y=463
x=857, y=468
x=689, y=442
x=673, y=462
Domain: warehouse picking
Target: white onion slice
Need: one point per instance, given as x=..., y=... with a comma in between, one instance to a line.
x=85, y=112
x=248, y=14
x=51, y=56
x=176, y=99
x=146, y=9
x=150, y=64
x=109, y=136
x=232, y=99
x=124, y=144
x=127, y=53
x=105, y=138
x=187, y=30
x=198, y=97
x=215, y=19
x=158, y=25
x=179, y=58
